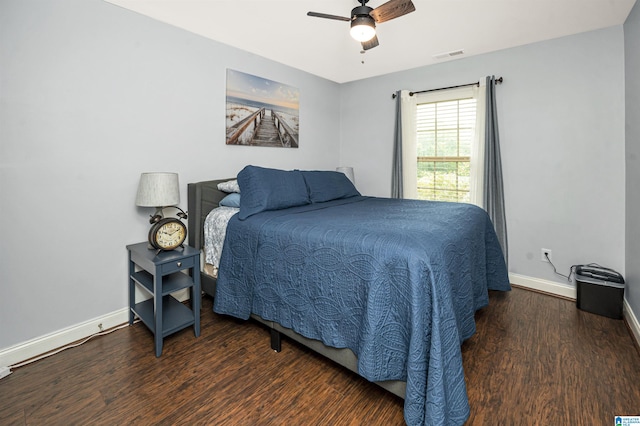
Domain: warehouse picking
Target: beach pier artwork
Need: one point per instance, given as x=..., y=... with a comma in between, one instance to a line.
x=261, y=112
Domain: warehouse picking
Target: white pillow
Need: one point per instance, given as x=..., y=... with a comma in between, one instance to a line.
x=229, y=186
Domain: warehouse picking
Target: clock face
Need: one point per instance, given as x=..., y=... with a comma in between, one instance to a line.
x=167, y=234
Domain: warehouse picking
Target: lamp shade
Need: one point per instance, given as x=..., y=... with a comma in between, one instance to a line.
x=347, y=171
x=158, y=190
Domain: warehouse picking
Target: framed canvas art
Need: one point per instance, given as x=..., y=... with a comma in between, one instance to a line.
x=261, y=112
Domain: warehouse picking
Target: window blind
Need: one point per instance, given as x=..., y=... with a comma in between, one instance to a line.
x=445, y=132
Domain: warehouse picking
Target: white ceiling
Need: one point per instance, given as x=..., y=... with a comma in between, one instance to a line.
x=280, y=29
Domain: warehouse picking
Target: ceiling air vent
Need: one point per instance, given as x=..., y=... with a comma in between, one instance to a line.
x=449, y=54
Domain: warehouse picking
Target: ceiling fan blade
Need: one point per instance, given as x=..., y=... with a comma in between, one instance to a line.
x=370, y=44
x=324, y=15
x=392, y=9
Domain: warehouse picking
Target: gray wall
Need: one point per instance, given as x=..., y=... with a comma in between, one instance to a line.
x=561, y=120
x=632, y=128
x=91, y=95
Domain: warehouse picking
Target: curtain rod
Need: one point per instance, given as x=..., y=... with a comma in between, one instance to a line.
x=477, y=83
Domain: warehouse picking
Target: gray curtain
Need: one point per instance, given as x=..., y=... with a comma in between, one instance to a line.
x=397, y=190
x=493, y=187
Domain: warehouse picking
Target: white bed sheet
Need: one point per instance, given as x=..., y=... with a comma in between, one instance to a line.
x=215, y=229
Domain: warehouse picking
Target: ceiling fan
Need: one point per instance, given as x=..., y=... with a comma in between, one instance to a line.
x=363, y=19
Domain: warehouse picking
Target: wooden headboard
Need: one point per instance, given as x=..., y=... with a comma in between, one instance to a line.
x=203, y=197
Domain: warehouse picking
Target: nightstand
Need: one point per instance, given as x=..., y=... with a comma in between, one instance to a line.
x=159, y=274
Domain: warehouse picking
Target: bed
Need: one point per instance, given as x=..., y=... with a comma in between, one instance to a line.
x=387, y=288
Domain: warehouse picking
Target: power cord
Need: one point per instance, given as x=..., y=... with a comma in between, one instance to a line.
x=69, y=346
x=572, y=270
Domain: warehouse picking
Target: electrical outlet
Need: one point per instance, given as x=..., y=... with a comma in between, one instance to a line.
x=544, y=253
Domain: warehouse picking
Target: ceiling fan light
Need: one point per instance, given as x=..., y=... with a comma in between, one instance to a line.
x=363, y=28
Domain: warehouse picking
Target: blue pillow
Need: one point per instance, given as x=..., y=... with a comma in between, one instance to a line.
x=270, y=189
x=231, y=200
x=328, y=185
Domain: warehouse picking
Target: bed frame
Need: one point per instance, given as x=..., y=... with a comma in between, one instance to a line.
x=205, y=196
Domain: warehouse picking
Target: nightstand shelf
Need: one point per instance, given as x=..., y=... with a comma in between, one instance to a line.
x=175, y=315
x=160, y=273
x=170, y=283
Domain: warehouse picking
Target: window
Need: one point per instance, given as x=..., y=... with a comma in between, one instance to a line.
x=439, y=151
x=444, y=135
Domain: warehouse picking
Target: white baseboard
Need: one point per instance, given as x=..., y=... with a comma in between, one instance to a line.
x=569, y=291
x=43, y=344
x=551, y=287
x=632, y=321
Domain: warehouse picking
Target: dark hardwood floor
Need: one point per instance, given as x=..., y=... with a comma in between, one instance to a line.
x=535, y=360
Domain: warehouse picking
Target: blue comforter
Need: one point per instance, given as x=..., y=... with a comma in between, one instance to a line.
x=396, y=281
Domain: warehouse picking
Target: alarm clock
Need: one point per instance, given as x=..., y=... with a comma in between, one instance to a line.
x=167, y=234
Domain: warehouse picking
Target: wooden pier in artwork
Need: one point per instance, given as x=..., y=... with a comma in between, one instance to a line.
x=262, y=128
